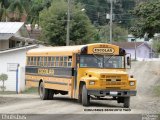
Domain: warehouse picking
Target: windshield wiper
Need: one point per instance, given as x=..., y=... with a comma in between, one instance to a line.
x=97, y=57
x=107, y=59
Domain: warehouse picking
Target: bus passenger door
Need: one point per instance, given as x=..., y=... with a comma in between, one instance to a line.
x=74, y=75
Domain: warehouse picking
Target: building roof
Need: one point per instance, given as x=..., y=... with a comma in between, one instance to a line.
x=10, y=27
x=130, y=45
x=20, y=48
x=7, y=29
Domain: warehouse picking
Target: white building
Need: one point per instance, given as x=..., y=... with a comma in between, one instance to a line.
x=131, y=38
x=138, y=50
x=14, y=42
x=12, y=63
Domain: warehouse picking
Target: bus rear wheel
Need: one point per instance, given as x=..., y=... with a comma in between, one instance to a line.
x=85, y=96
x=45, y=94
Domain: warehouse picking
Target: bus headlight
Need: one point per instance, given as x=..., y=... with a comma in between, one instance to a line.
x=132, y=83
x=91, y=82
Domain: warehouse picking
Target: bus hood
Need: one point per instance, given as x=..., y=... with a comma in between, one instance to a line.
x=100, y=72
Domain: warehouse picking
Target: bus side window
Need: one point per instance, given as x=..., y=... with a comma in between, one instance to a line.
x=65, y=61
x=34, y=61
x=53, y=61
x=28, y=60
x=49, y=62
x=31, y=63
x=38, y=60
x=45, y=61
x=57, y=62
x=69, y=61
x=61, y=62
x=41, y=61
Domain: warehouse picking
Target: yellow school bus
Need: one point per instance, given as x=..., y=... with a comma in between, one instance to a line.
x=83, y=72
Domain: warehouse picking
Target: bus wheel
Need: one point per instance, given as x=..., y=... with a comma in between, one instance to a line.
x=43, y=92
x=126, y=102
x=85, y=96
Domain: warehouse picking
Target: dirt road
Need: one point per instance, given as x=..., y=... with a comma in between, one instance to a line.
x=146, y=73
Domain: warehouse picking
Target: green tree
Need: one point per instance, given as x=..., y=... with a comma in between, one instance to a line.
x=36, y=7
x=156, y=45
x=17, y=9
x=4, y=4
x=147, y=19
x=97, y=10
x=119, y=33
x=3, y=78
x=54, y=21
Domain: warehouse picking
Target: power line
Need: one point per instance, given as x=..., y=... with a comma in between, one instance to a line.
x=99, y=6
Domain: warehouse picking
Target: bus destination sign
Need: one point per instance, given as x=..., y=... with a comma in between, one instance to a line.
x=103, y=50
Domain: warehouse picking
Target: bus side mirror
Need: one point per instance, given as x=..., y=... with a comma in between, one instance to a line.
x=128, y=61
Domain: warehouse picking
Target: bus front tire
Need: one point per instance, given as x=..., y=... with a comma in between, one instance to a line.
x=126, y=102
x=85, y=96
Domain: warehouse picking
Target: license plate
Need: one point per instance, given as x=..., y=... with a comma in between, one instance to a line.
x=113, y=93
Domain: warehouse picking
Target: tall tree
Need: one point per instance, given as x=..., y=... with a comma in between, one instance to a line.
x=119, y=33
x=97, y=10
x=54, y=21
x=17, y=10
x=36, y=7
x=4, y=4
x=147, y=19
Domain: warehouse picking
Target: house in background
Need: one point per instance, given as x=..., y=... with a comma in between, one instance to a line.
x=14, y=43
x=34, y=31
x=131, y=38
x=137, y=50
x=12, y=35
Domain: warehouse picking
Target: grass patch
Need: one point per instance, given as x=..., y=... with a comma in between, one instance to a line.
x=30, y=91
x=156, y=90
x=7, y=92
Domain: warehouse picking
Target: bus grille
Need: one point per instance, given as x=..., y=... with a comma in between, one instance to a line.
x=113, y=81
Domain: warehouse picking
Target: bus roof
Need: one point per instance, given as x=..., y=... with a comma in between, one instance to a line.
x=61, y=50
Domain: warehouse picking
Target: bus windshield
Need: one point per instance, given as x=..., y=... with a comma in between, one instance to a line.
x=102, y=61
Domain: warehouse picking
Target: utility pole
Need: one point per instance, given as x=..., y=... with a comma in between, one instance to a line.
x=111, y=19
x=135, y=45
x=68, y=24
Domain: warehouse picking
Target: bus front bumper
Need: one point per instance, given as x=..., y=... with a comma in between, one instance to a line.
x=117, y=93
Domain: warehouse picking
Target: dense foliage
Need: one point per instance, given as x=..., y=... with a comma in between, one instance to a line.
x=54, y=21
x=36, y=11
x=147, y=19
x=97, y=10
x=119, y=33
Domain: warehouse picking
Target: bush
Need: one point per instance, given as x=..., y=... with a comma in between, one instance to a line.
x=3, y=78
